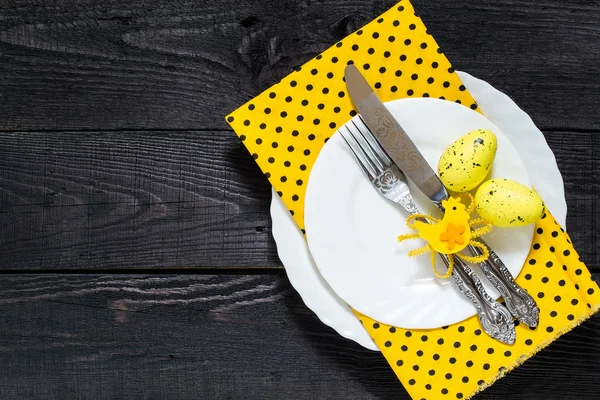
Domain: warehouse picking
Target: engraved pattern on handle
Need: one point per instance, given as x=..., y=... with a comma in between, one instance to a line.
x=521, y=305
x=494, y=318
x=407, y=202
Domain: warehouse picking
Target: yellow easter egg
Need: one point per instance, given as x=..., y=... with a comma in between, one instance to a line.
x=467, y=161
x=507, y=203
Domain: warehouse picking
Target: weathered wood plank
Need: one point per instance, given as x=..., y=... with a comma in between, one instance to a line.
x=151, y=64
x=131, y=199
x=181, y=199
x=217, y=337
x=579, y=162
x=544, y=54
x=145, y=64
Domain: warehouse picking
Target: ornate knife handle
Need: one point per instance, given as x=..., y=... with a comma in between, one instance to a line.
x=494, y=318
x=518, y=301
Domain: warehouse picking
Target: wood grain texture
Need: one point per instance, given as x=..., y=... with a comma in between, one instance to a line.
x=579, y=162
x=97, y=200
x=218, y=337
x=149, y=64
x=155, y=64
x=131, y=199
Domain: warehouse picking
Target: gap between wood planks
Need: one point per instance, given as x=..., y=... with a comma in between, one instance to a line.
x=115, y=130
x=274, y=270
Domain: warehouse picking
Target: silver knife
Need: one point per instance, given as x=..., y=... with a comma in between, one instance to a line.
x=406, y=155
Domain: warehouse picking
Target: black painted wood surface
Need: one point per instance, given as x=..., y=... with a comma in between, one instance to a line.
x=114, y=157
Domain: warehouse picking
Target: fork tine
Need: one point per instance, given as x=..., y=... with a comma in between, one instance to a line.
x=356, y=150
x=376, y=158
x=373, y=161
x=370, y=138
x=368, y=153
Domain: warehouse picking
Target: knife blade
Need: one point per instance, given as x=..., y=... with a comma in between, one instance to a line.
x=392, y=137
x=401, y=149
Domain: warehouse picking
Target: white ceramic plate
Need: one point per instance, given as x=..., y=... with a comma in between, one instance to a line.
x=302, y=271
x=352, y=230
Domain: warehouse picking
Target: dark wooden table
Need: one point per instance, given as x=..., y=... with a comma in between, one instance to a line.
x=134, y=227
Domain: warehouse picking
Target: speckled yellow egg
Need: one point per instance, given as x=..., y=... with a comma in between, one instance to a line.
x=467, y=161
x=507, y=203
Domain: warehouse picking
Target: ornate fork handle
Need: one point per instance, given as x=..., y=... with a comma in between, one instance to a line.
x=518, y=301
x=493, y=316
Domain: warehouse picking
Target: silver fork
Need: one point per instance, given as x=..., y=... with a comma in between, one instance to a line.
x=391, y=183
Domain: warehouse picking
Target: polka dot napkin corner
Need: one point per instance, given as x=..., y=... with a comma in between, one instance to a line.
x=284, y=129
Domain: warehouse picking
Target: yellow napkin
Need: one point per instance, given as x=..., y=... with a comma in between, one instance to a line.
x=285, y=127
